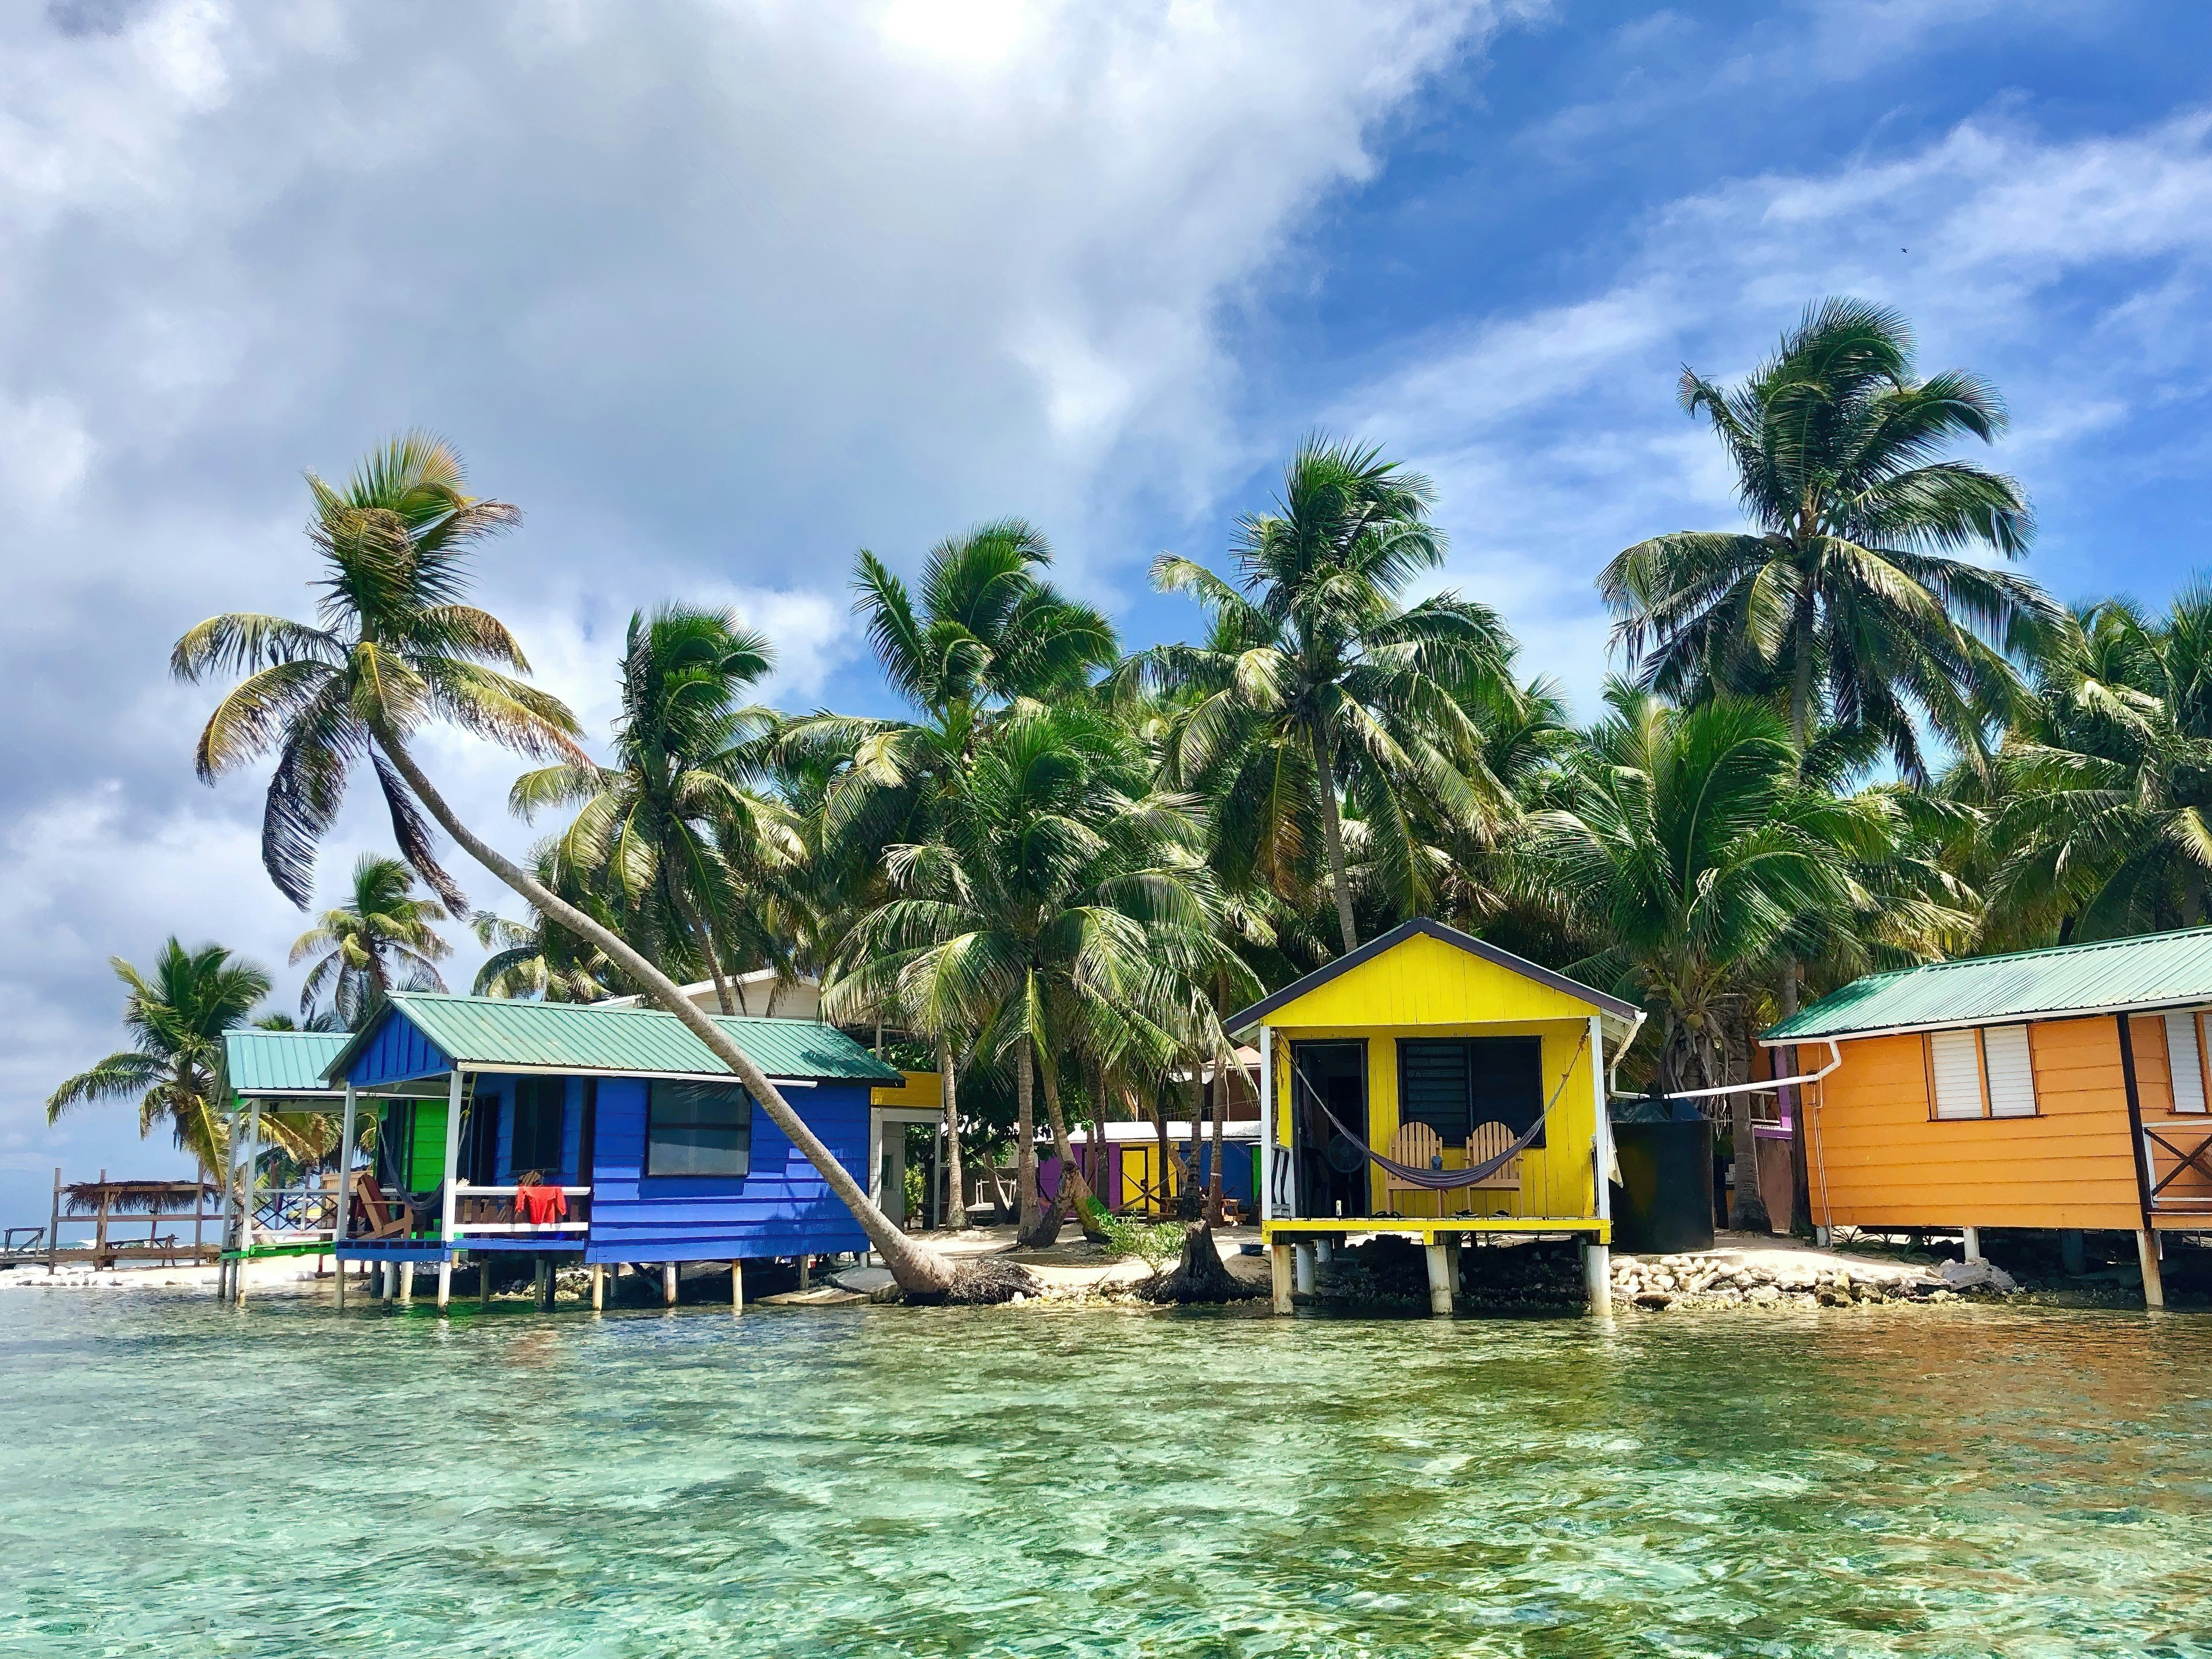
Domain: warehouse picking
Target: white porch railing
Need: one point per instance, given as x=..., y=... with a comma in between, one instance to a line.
x=482, y=1212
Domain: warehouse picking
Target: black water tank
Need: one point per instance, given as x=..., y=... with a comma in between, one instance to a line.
x=1664, y=1202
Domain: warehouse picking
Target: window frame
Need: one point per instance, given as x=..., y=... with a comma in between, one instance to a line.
x=654, y=1089
x=2203, y=1068
x=1978, y=1035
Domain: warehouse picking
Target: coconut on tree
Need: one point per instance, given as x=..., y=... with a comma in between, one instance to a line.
x=394, y=649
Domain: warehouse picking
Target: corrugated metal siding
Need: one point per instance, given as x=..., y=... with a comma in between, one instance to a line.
x=264, y=1062
x=491, y=1032
x=2129, y=973
x=784, y=1207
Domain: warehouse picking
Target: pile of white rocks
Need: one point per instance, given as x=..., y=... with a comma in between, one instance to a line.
x=1726, y=1279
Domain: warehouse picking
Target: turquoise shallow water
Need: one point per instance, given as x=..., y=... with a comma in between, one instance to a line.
x=175, y=1479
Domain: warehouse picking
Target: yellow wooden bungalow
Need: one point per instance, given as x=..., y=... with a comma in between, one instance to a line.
x=1434, y=1086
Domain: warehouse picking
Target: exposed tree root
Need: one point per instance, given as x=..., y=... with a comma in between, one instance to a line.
x=978, y=1282
x=1201, y=1275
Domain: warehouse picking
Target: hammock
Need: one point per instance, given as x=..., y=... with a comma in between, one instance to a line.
x=1444, y=1181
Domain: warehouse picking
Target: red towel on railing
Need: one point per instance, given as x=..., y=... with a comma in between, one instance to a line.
x=541, y=1204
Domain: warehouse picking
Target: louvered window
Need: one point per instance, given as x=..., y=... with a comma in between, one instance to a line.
x=1985, y=1073
x=2185, y=1053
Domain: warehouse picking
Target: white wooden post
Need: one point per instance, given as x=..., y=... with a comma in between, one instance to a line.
x=1974, y=1243
x=1266, y=1124
x=407, y=1284
x=1279, y=1264
x=599, y=1286
x=345, y=1190
x=246, y=1204
x=1597, y=1254
x=737, y=1286
x=875, y=1169
x=668, y=1283
x=2154, y=1280
x=453, y=1174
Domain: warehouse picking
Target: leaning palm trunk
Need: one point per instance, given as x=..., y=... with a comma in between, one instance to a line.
x=705, y=935
x=918, y=1269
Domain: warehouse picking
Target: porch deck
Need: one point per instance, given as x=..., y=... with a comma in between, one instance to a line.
x=1428, y=1230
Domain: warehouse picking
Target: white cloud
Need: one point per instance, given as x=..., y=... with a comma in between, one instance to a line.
x=717, y=294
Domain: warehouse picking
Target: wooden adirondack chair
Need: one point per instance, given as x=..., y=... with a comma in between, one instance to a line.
x=382, y=1221
x=1485, y=1143
x=1416, y=1145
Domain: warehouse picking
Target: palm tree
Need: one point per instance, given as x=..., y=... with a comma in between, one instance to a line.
x=1845, y=599
x=1690, y=841
x=1045, y=915
x=380, y=937
x=395, y=648
x=659, y=825
x=988, y=630
x=540, y=958
x=2101, y=820
x=1313, y=678
x=174, y=1066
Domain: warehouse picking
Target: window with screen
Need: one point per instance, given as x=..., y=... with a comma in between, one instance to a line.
x=698, y=1129
x=2184, y=1056
x=1453, y=1084
x=541, y=1106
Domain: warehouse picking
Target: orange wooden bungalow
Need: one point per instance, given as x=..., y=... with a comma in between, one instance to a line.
x=2063, y=1088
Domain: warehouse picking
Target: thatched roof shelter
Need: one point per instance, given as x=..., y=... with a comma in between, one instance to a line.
x=139, y=1197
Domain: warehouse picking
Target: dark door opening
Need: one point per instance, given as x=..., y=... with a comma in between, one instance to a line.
x=1332, y=1165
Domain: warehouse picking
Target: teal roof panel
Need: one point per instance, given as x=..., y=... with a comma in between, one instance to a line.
x=259, y=1062
x=2154, y=971
x=485, y=1033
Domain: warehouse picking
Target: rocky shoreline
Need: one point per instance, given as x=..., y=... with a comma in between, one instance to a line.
x=1731, y=1278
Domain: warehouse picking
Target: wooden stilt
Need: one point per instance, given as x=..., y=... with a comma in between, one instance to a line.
x=2154, y=1281
x=1440, y=1284
x=668, y=1283
x=737, y=1287
x=599, y=1286
x=1279, y=1260
x=545, y=1284
x=406, y=1284
x=2072, y=1256
x=483, y=1281
x=805, y=1272
x=1974, y=1243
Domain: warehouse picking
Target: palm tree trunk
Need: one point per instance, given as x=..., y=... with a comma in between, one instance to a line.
x=1025, y=1173
x=1220, y=1107
x=705, y=935
x=955, y=1182
x=1051, y=1216
x=1747, y=1209
x=918, y=1269
x=1801, y=1186
x=1333, y=833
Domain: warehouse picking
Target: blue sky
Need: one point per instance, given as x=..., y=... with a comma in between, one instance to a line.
x=718, y=294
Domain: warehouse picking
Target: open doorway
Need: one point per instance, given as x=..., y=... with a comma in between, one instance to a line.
x=1332, y=1163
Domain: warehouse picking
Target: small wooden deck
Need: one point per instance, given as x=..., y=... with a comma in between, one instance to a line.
x=1428, y=1229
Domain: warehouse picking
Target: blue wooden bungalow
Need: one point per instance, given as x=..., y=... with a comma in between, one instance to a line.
x=660, y=1156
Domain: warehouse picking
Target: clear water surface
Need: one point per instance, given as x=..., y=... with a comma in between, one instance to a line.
x=176, y=1480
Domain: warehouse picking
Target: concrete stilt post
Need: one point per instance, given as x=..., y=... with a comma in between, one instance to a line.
x=737, y=1286
x=1597, y=1278
x=1302, y=1256
x=406, y=1284
x=599, y=1286
x=1974, y=1243
x=1440, y=1284
x=668, y=1283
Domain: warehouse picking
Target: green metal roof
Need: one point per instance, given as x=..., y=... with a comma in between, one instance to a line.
x=2158, y=970
x=281, y=1063
x=486, y=1033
